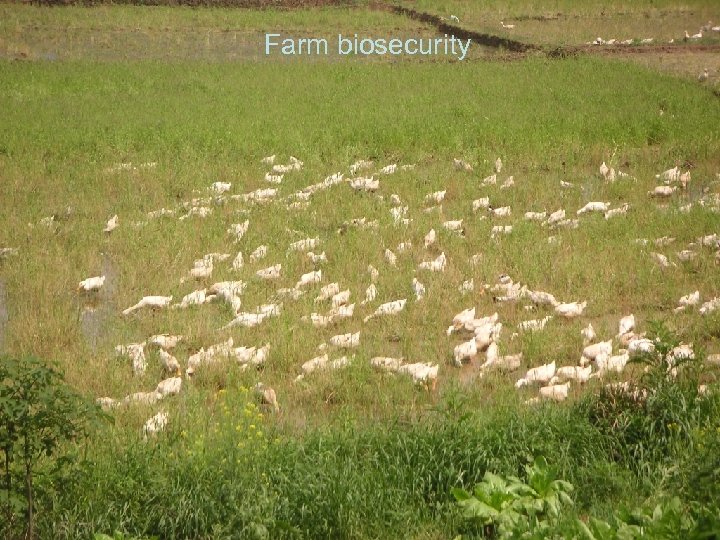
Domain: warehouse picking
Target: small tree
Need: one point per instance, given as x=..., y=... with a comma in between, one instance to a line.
x=38, y=412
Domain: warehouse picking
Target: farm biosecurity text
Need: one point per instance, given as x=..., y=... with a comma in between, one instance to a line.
x=288, y=46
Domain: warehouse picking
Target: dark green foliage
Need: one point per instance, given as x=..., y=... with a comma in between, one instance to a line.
x=38, y=414
x=507, y=508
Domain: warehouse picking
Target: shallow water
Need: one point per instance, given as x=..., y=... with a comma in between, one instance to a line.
x=97, y=308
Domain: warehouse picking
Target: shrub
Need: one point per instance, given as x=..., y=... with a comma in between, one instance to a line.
x=38, y=412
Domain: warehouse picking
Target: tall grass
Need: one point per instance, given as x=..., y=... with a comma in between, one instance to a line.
x=390, y=480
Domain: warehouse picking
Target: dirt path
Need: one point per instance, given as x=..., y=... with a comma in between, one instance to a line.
x=480, y=38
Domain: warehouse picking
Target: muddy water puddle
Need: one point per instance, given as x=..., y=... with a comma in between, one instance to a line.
x=97, y=308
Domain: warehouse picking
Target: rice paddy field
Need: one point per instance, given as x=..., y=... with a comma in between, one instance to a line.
x=362, y=258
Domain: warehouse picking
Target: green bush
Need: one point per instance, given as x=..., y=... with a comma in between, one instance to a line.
x=38, y=414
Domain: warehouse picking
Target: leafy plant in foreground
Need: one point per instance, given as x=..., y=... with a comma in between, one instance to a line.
x=38, y=412
x=666, y=520
x=506, y=508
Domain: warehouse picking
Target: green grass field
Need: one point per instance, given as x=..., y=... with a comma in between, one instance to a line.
x=353, y=453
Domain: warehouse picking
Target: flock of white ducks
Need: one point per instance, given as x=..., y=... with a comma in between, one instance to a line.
x=478, y=334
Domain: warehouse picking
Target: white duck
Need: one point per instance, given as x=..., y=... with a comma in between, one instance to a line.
x=238, y=262
x=534, y=325
x=455, y=225
x=557, y=392
x=328, y=291
x=274, y=178
x=92, y=284
x=317, y=258
x=615, y=363
x=342, y=312
x=238, y=230
x=626, y=325
x=112, y=224
x=267, y=396
x=502, y=211
x=538, y=374
x=466, y=350
x=692, y=299
x=390, y=257
x=639, y=346
x=136, y=353
x=346, y=341
x=250, y=356
x=481, y=204
x=304, y=245
x=575, y=373
x=604, y=170
x=591, y=352
x=195, y=298
x=247, y=320
x=466, y=316
x=594, y=206
x=388, y=308
x=500, y=230
x=467, y=286
x=588, y=334
x=272, y=272
x=220, y=187
x=487, y=334
x=461, y=165
x=309, y=278
x=614, y=212
x=341, y=298
x=541, y=297
x=710, y=306
x=170, y=387
x=155, y=302
x=437, y=265
x=370, y=294
x=430, y=238
x=535, y=216
x=170, y=364
x=555, y=217
x=437, y=196
x=259, y=253
x=155, y=425
x=164, y=341
x=570, y=310
x=662, y=191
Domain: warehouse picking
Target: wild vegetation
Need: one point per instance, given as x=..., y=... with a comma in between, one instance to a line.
x=352, y=452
